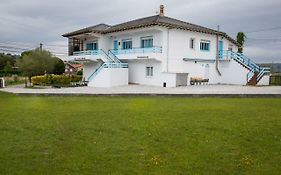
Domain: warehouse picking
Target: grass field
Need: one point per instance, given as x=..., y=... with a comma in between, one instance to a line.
x=139, y=135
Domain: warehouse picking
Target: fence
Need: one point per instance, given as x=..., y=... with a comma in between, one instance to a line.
x=275, y=80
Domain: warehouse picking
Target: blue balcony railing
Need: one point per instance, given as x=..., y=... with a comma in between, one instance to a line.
x=87, y=52
x=154, y=49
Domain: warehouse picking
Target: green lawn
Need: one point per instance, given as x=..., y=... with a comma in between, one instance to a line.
x=139, y=135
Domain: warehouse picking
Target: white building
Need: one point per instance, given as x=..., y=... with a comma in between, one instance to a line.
x=160, y=51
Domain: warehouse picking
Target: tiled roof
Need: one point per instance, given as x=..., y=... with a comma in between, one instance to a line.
x=156, y=20
x=96, y=28
x=76, y=66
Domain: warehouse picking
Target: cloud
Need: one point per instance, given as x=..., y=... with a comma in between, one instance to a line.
x=35, y=21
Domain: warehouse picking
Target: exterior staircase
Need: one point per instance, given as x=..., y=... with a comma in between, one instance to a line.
x=110, y=61
x=255, y=73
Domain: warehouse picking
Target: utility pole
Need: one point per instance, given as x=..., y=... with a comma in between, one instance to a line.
x=217, y=51
x=41, y=47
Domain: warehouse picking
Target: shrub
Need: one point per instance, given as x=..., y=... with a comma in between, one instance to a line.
x=80, y=72
x=275, y=79
x=13, y=80
x=55, y=80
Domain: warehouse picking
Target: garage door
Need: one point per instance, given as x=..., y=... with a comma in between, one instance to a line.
x=181, y=79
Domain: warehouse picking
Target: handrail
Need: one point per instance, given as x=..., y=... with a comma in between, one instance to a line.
x=86, y=52
x=154, y=49
x=107, y=65
x=252, y=66
x=96, y=72
x=106, y=55
x=114, y=56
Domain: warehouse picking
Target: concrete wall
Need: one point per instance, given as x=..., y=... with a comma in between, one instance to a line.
x=89, y=68
x=179, y=48
x=264, y=81
x=231, y=72
x=110, y=78
x=135, y=35
x=137, y=74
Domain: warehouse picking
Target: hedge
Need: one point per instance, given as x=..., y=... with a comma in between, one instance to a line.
x=55, y=80
x=4, y=73
x=275, y=80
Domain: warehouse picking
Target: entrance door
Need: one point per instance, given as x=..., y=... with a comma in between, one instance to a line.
x=115, y=45
x=220, y=49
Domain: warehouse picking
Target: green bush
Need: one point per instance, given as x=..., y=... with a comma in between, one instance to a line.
x=275, y=80
x=55, y=80
x=4, y=73
x=13, y=80
x=80, y=72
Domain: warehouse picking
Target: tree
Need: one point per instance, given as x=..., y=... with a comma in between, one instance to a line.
x=7, y=58
x=8, y=67
x=36, y=62
x=59, y=67
x=240, y=38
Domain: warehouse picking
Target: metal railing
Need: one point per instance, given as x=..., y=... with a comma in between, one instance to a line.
x=112, y=61
x=86, y=52
x=107, y=65
x=154, y=49
x=113, y=56
x=245, y=61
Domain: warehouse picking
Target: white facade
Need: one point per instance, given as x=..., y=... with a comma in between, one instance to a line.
x=108, y=78
x=171, y=57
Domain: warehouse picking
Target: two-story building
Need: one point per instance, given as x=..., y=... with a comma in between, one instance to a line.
x=160, y=51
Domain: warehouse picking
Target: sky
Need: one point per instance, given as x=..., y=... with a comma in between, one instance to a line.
x=30, y=22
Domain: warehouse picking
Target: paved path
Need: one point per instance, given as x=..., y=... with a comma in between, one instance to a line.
x=152, y=90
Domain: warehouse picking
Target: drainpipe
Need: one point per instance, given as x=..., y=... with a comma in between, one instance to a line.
x=168, y=48
x=217, y=52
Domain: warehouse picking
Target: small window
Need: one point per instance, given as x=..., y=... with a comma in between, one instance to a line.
x=149, y=71
x=146, y=42
x=127, y=44
x=191, y=44
x=205, y=45
x=230, y=47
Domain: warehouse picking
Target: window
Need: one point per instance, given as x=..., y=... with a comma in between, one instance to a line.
x=230, y=46
x=92, y=46
x=127, y=44
x=191, y=44
x=149, y=71
x=205, y=45
x=146, y=42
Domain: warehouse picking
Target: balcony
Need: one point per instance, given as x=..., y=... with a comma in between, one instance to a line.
x=86, y=52
x=154, y=49
x=139, y=53
x=134, y=53
x=86, y=55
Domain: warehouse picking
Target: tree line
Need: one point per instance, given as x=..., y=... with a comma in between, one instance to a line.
x=31, y=63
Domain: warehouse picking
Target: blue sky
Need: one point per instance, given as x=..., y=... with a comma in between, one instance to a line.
x=35, y=21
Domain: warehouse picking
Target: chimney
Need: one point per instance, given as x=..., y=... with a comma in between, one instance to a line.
x=161, y=10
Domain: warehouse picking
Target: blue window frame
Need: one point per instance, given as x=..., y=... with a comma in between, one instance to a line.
x=92, y=46
x=127, y=44
x=115, y=45
x=205, y=45
x=147, y=42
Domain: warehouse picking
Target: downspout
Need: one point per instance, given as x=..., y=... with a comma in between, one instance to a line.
x=168, y=48
x=217, y=53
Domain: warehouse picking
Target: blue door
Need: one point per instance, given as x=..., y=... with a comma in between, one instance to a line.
x=220, y=49
x=115, y=45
